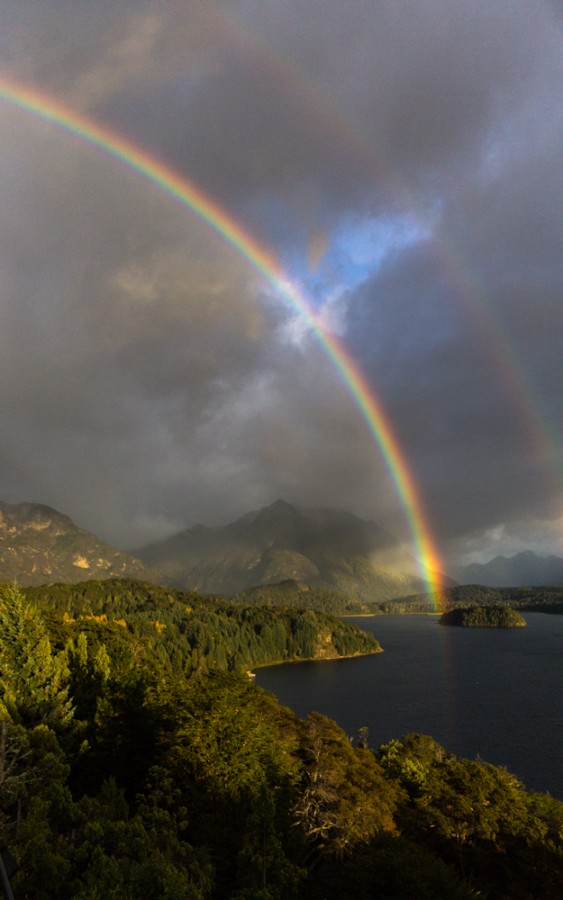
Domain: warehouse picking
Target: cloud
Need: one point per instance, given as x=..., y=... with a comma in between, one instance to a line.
x=141, y=364
x=403, y=163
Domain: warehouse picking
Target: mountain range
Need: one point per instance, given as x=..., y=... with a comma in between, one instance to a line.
x=522, y=570
x=323, y=547
x=40, y=545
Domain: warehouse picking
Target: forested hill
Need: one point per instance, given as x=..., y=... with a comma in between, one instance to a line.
x=190, y=632
x=297, y=594
x=292, y=593
x=496, y=615
x=121, y=777
x=533, y=599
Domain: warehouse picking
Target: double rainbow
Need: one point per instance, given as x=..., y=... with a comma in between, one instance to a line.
x=264, y=261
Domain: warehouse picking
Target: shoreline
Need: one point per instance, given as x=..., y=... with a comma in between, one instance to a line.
x=284, y=662
x=384, y=615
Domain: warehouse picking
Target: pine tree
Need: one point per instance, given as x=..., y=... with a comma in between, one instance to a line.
x=33, y=680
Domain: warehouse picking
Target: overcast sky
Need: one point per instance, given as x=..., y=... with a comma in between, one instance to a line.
x=403, y=159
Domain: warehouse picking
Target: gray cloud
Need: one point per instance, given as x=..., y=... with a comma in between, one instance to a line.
x=151, y=378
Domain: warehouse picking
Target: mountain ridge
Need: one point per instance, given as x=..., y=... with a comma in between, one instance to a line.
x=524, y=569
x=39, y=544
x=323, y=547
x=320, y=546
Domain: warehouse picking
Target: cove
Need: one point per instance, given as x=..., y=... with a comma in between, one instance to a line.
x=493, y=693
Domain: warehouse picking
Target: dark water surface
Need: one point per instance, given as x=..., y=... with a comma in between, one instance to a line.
x=496, y=693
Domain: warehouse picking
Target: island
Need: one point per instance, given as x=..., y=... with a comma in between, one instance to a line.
x=487, y=616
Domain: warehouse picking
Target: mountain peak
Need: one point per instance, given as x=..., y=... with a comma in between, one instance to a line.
x=277, y=509
x=325, y=547
x=38, y=544
x=280, y=504
x=32, y=512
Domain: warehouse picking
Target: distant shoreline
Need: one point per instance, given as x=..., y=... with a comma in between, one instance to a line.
x=283, y=662
x=382, y=615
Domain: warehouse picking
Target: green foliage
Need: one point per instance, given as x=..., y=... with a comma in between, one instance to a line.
x=89, y=672
x=32, y=678
x=478, y=818
x=183, y=631
x=345, y=799
x=173, y=781
x=231, y=757
x=534, y=599
x=410, y=760
x=291, y=593
x=399, y=607
x=224, y=739
x=390, y=867
x=489, y=616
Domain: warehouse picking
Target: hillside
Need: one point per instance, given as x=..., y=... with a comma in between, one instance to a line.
x=39, y=544
x=191, y=633
x=321, y=547
x=127, y=777
x=535, y=599
x=291, y=593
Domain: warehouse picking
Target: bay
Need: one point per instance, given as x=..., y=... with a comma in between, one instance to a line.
x=493, y=693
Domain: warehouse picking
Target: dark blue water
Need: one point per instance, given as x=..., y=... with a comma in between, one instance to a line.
x=496, y=693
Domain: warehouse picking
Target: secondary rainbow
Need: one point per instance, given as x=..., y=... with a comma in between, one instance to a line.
x=462, y=277
x=264, y=260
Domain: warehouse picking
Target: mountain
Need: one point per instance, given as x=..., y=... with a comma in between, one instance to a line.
x=324, y=547
x=39, y=545
x=515, y=571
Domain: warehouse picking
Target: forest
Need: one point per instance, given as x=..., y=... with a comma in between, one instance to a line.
x=494, y=615
x=191, y=633
x=135, y=763
x=291, y=593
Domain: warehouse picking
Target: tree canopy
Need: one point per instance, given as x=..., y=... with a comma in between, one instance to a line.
x=123, y=775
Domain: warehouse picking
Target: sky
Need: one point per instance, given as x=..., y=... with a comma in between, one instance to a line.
x=402, y=159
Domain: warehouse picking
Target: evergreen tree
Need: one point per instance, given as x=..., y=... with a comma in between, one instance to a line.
x=33, y=680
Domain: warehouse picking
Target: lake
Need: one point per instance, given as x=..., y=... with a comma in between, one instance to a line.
x=495, y=693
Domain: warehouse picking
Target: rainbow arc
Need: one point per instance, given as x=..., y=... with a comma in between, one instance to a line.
x=266, y=263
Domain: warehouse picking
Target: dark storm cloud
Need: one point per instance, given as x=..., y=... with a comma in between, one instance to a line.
x=150, y=379
x=252, y=99
x=472, y=320
x=140, y=368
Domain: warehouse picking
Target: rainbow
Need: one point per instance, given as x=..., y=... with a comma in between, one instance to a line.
x=544, y=442
x=265, y=262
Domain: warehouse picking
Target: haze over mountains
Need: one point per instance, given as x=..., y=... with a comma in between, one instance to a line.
x=326, y=548
x=517, y=571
